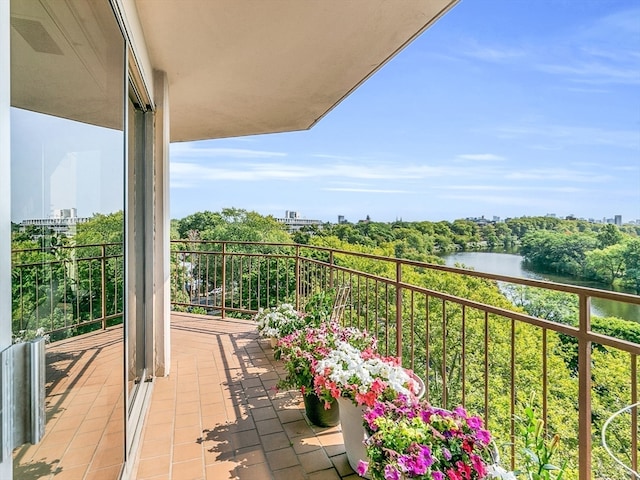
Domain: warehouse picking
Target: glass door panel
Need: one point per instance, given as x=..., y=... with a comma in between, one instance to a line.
x=67, y=193
x=136, y=258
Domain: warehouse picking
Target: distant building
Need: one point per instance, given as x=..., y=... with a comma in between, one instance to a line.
x=481, y=221
x=617, y=220
x=341, y=219
x=63, y=221
x=294, y=222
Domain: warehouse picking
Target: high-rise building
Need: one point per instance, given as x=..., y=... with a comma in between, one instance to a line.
x=617, y=220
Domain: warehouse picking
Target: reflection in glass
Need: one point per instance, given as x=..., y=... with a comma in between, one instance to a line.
x=67, y=143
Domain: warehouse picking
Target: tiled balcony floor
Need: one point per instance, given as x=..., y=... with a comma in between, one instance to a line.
x=84, y=438
x=218, y=416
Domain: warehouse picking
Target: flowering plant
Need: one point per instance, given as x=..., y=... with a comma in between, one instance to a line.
x=279, y=321
x=411, y=439
x=28, y=335
x=303, y=348
x=361, y=375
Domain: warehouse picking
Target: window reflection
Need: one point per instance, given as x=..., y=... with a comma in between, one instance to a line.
x=67, y=163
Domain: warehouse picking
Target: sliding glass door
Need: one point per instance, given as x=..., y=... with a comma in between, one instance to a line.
x=68, y=228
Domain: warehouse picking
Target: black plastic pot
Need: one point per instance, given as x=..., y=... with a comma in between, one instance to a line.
x=318, y=415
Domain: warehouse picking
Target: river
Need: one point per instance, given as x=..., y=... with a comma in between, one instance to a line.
x=512, y=265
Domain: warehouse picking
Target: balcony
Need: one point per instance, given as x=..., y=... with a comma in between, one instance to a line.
x=224, y=415
x=216, y=415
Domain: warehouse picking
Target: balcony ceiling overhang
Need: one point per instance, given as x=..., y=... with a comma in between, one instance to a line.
x=251, y=67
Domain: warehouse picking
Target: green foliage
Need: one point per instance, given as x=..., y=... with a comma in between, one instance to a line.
x=617, y=328
x=557, y=252
x=319, y=306
x=535, y=457
x=56, y=286
x=609, y=235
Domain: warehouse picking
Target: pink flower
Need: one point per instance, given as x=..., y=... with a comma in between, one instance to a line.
x=474, y=423
x=478, y=465
x=391, y=473
x=362, y=467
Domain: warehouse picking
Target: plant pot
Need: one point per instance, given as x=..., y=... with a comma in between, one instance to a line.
x=353, y=432
x=318, y=415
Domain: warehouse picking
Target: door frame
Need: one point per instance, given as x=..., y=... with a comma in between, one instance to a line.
x=6, y=463
x=138, y=215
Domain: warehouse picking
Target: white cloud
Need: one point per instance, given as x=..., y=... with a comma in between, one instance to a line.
x=193, y=172
x=508, y=188
x=363, y=190
x=569, y=135
x=190, y=150
x=498, y=53
x=558, y=174
x=482, y=157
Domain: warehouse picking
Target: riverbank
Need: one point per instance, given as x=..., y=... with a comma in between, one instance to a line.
x=512, y=264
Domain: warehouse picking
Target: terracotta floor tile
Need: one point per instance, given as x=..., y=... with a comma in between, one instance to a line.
x=263, y=413
x=314, y=461
x=330, y=474
x=107, y=457
x=266, y=427
x=187, y=452
x=154, y=466
x=159, y=447
x=190, y=470
x=298, y=428
x=104, y=473
x=282, y=458
x=275, y=441
x=250, y=455
x=246, y=438
x=71, y=473
x=253, y=472
x=223, y=470
x=341, y=464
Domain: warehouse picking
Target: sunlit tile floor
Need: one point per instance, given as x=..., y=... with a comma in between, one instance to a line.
x=218, y=416
x=85, y=412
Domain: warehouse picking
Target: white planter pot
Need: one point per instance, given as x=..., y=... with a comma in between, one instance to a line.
x=353, y=432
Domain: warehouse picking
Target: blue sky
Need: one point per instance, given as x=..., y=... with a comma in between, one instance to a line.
x=502, y=108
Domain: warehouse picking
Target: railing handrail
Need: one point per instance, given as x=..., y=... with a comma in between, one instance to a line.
x=560, y=287
x=56, y=247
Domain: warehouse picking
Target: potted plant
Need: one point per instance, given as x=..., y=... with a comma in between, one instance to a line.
x=409, y=438
x=302, y=349
x=357, y=379
x=276, y=322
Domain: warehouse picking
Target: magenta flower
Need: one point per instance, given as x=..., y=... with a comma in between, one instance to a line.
x=391, y=473
x=362, y=467
x=406, y=433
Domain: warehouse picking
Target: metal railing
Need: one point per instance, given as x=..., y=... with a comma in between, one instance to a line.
x=65, y=289
x=464, y=338
x=470, y=350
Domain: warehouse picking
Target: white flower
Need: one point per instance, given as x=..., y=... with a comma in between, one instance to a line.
x=278, y=321
x=495, y=471
x=347, y=367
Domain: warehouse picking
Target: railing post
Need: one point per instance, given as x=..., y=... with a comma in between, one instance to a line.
x=297, y=273
x=584, y=389
x=103, y=285
x=223, y=295
x=634, y=413
x=398, y=311
x=331, y=272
